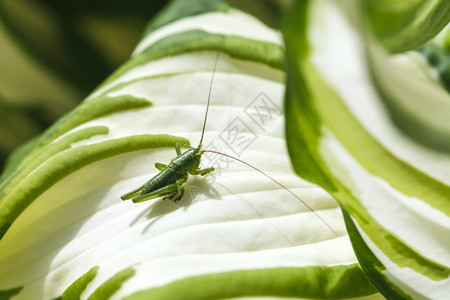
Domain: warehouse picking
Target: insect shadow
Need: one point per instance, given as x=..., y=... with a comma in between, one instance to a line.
x=196, y=190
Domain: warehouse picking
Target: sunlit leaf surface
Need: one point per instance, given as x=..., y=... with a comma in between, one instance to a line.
x=235, y=232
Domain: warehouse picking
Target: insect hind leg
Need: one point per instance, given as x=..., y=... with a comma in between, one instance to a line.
x=165, y=191
x=173, y=191
x=202, y=172
x=175, y=197
x=133, y=193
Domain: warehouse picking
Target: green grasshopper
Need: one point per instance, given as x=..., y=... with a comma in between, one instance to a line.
x=168, y=183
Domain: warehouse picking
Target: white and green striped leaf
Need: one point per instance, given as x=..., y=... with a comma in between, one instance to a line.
x=419, y=101
x=67, y=234
x=394, y=191
x=405, y=25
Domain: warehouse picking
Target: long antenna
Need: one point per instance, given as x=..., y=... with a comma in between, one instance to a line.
x=209, y=93
x=277, y=182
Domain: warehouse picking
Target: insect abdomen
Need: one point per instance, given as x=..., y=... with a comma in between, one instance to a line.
x=162, y=179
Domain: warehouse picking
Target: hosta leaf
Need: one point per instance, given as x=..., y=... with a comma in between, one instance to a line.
x=394, y=191
x=405, y=25
x=235, y=233
x=419, y=102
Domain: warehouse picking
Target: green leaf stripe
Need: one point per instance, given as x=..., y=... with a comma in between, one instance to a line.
x=112, y=285
x=87, y=111
x=315, y=282
x=74, y=291
x=67, y=162
x=237, y=47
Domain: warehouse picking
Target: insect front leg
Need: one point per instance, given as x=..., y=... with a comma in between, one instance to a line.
x=202, y=171
x=178, y=147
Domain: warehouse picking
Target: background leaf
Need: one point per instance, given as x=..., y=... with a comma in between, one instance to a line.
x=405, y=25
x=394, y=191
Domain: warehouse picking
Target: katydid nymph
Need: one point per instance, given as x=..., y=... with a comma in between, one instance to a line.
x=168, y=183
